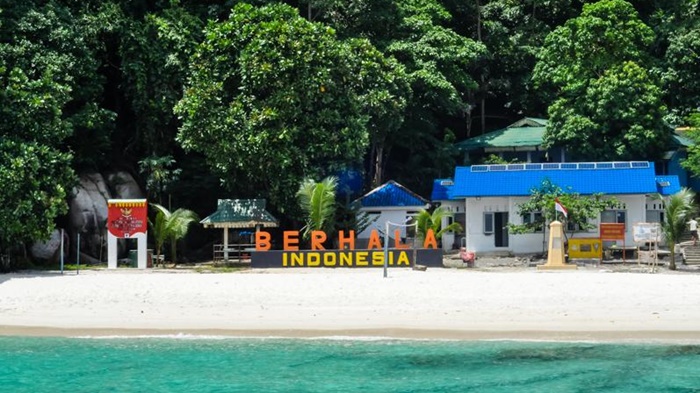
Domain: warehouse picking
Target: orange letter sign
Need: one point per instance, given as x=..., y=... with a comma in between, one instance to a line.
x=374, y=242
x=430, y=241
x=290, y=240
x=262, y=241
x=349, y=241
x=317, y=239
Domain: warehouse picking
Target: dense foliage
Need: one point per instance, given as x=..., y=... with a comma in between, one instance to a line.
x=231, y=99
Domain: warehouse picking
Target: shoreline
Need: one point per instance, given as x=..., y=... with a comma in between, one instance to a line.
x=593, y=305
x=602, y=337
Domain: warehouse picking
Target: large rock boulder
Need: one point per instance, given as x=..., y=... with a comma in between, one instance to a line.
x=88, y=207
x=124, y=186
x=50, y=249
x=88, y=214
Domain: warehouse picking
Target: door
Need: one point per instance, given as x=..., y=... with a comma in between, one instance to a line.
x=500, y=229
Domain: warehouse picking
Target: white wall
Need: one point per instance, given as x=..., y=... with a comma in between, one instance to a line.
x=388, y=214
x=456, y=208
x=635, y=206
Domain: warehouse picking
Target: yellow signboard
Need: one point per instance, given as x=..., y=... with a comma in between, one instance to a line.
x=585, y=247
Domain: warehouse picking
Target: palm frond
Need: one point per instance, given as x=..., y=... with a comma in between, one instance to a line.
x=317, y=200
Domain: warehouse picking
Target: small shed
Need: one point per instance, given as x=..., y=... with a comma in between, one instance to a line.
x=238, y=214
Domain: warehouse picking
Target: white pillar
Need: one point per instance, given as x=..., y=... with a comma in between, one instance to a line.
x=141, y=239
x=111, y=251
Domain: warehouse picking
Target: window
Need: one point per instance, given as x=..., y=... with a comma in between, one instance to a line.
x=450, y=220
x=655, y=216
x=655, y=212
x=614, y=216
x=533, y=217
x=488, y=223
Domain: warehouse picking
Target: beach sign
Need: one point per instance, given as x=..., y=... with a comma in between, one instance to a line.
x=398, y=255
x=127, y=219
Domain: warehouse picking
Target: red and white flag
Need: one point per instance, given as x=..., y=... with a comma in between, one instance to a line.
x=560, y=208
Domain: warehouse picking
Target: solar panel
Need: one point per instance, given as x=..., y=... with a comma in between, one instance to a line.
x=571, y=165
x=497, y=167
x=533, y=166
x=515, y=167
x=586, y=165
x=640, y=164
x=604, y=165
x=480, y=168
x=621, y=165
x=550, y=166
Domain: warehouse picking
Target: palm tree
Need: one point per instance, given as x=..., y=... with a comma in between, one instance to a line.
x=317, y=200
x=679, y=208
x=171, y=227
x=426, y=220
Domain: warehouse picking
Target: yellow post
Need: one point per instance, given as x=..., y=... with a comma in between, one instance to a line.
x=555, y=256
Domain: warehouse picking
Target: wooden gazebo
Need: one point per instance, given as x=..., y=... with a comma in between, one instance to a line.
x=238, y=214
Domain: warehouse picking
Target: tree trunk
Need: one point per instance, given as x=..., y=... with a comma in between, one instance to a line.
x=173, y=251
x=378, y=166
x=672, y=264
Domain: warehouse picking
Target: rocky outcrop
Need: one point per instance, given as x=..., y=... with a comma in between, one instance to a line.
x=50, y=249
x=88, y=214
x=124, y=186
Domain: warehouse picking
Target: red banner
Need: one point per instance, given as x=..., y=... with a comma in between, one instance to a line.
x=126, y=217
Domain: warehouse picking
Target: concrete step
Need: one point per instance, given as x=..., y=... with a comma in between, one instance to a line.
x=691, y=254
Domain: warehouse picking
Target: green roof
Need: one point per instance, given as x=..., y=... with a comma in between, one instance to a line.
x=239, y=213
x=681, y=141
x=527, y=132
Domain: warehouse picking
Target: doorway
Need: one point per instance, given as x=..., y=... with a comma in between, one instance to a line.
x=500, y=229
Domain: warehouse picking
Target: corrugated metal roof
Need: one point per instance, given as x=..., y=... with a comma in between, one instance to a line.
x=392, y=194
x=441, y=189
x=681, y=141
x=636, y=177
x=239, y=213
x=667, y=185
x=527, y=132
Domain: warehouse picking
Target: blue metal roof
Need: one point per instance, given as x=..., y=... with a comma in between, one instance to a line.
x=667, y=185
x=635, y=177
x=392, y=194
x=441, y=189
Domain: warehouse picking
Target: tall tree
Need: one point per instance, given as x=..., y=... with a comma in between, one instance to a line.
x=609, y=106
x=43, y=62
x=440, y=65
x=268, y=112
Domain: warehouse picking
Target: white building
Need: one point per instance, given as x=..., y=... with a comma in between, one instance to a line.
x=486, y=198
x=390, y=202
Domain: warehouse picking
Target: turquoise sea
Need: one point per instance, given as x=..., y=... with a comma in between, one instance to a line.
x=195, y=364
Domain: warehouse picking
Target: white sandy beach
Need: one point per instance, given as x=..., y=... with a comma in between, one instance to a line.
x=589, y=304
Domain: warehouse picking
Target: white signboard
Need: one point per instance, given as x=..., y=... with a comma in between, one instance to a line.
x=647, y=232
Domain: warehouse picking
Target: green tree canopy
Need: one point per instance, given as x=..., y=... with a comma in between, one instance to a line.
x=608, y=106
x=272, y=98
x=581, y=209
x=41, y=64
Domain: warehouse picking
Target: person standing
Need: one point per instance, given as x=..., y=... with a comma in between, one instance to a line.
x=693, y=226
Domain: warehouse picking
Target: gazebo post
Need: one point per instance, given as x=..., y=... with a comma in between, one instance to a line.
x=225, y=244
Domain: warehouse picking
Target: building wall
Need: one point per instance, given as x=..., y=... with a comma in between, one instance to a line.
x=451, y=240
x=383, y=215
x=634, y=206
